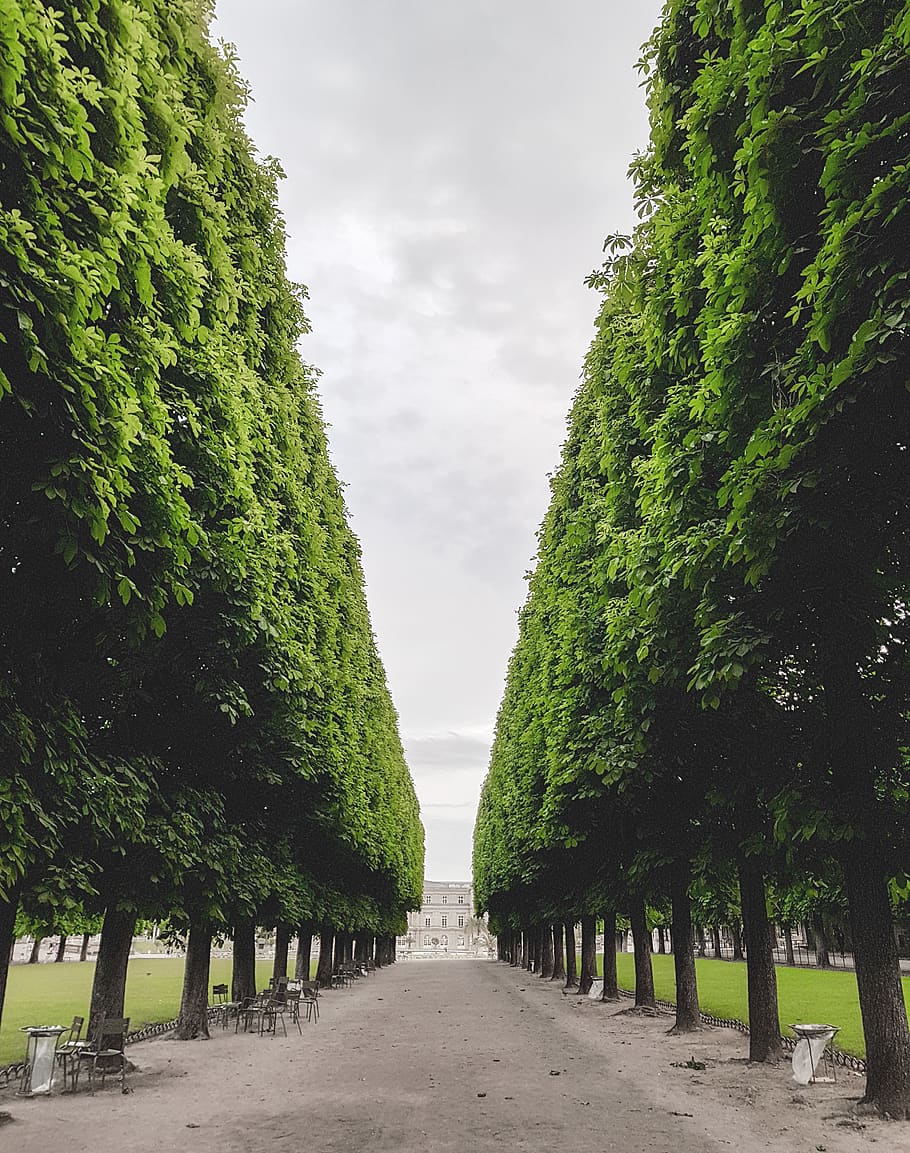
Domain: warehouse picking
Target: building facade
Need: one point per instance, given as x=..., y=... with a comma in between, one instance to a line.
x=445, y=924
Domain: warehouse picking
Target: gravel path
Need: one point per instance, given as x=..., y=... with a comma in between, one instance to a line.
x=453, y=1055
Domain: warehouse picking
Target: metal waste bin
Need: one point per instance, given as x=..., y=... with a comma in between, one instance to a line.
x=810, y=1053
x=40, y=1059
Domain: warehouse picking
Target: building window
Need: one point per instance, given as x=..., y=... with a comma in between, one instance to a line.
x=445, y=900
x=445, y=920
x=461, y=942
x=426, y=898
x=444, y=941
x=461, y=921
x=426, y=922
x=461, y=900
x=426, y=942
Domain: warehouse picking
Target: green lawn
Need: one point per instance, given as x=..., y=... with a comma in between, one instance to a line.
x=53, y=994
x=803, y=994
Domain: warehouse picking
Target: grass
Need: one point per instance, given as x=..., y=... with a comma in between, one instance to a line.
x=802, y=994
x=53, y=994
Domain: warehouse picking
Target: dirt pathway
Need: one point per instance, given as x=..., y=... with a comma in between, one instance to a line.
x=469, y=1056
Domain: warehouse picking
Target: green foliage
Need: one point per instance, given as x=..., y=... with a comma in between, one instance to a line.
x=195, y=721
x=712, y=661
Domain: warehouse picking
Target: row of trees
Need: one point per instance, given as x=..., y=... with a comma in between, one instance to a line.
x=194, y=719
x=710, y=687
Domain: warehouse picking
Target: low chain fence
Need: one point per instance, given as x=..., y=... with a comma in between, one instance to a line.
x=837, y=1056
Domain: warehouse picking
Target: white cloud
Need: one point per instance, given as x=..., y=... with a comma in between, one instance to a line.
x=452, y=170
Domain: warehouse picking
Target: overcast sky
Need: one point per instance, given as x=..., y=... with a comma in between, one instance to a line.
x=452, y=170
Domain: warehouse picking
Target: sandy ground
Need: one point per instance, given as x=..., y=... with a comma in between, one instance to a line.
x=454, y=1055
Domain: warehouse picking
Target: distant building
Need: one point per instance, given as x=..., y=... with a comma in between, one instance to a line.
x=446, y=925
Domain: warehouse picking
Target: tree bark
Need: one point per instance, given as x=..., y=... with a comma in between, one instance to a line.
x=661, y=939
x=109, y=986
x=715, y=938
x=822, y=957
x=324, y=968
x=243, y=968
x=610, y=991
x=764, y=1019
x=788, y=938
x=193, y=1020
x=559, y=956
x=571, y=970
x=61, y=948
x=36, y=951
x=588, y=954
x=687, y=1018
x=7, y=940
x=699, y=936
x=304, y=949
x=878, y=982
x=644, y=976
x=83, y=951
x=545, y=971
x=736, y=933
x=338, y=952
x=282, y=944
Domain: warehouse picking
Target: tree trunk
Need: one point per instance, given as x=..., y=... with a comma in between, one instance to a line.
x=348, y=950
x=788, y=938
x=36, y=951
x=7, y=939
x=661, y=939
x=61, y=948
x=699, y=936
x=338, y=952
x=109, y=986
x=878, y=981
x=243, y=968
x=282, y=944
x=588, y=954
x=193, y=1021
x=559, y=956
x=571, y=970
x=715, y=937
x=764, y=1020
x=610, y=991
x=83, y=951
x=304, y=949
x=736, y=934
x=324, y=968
x=644, y=977
x=546, y=953
x=822, y=957
x=687, y=1018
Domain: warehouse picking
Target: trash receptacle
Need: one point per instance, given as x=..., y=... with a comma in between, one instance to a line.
x=809, y=1053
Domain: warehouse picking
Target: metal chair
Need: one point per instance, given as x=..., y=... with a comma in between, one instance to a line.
x=66, y=1049
x=104, y=1051
x=309, y=996
x=293, y=1007
x=221, y=1005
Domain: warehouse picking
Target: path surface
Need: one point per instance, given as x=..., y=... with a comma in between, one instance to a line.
x=452, y=1055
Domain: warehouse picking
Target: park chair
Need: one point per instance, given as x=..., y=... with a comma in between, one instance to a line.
x=67, y=1046
x=105, y=1052
x=256, y=1012
x=221, y=1005
x=292, y=1004
x=309, y=995
x=277, y=1010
